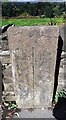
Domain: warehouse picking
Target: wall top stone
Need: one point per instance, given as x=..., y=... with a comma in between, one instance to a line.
x=35, y=32
x=43, y=30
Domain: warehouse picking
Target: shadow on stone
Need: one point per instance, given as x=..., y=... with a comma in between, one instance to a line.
x=0, y=81
x=59, y=112
x=58, y=59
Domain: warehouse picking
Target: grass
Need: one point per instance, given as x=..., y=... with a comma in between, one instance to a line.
x=31, y=21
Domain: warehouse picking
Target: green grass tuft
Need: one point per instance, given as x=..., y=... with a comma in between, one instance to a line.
x=31, y=21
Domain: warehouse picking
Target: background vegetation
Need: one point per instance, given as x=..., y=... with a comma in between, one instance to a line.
x=41, y=13
x=32, y=22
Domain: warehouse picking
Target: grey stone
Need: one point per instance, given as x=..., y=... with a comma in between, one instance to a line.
x=33, y=56
x=36, y=113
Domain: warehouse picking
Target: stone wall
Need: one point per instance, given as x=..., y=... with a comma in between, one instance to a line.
x=30, y=59
x=6, y=67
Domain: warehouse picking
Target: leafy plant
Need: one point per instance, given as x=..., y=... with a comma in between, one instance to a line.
x=61, y=94
x=10, y=105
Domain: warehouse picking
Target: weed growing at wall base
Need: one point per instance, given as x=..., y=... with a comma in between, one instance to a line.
x=61, y=94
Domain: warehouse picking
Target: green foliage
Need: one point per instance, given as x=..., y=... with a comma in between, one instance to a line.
x=48, y=11
x=10, y=105
x=25, y=14
x=32, y=22
x=64, y=18
x=61, y=94
x=56, y=10
x=12, y=9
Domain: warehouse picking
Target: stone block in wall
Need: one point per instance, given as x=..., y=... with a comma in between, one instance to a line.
x=8, y=74
x=10, y=96
x=6, y=59
x=33, y=58
x=4, y=41
x=7, y=71
x=4, y=45
x=9, y=87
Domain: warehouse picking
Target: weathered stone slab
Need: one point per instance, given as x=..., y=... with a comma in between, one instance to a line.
x=33, y=56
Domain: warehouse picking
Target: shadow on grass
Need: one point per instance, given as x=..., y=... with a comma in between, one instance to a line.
x=59, y=111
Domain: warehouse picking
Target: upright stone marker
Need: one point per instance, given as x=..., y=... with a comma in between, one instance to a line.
x=33, y=53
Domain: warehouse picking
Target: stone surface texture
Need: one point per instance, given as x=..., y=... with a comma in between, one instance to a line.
x=33, y=58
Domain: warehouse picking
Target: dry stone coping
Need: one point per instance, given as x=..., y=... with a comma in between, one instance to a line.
x=2, y=53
